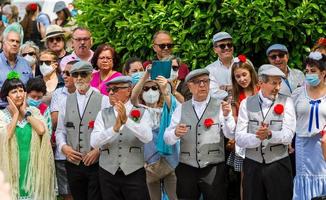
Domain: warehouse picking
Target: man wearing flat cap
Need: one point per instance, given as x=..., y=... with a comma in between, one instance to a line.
x=198, y=125
x=265, y=127
x=75, y=124
x=120, y=132
x=278, y=56
x=220, y=70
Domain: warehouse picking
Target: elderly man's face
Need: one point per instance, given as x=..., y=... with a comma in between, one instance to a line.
x=56, y=43
x=11, y=43
x=69, y=81
x=271, y=88
x=82, y=80
x=279, y=59
x=163, y=45
x=82, y=41
x=199, y=87
x=224, y=49
x=119, y=92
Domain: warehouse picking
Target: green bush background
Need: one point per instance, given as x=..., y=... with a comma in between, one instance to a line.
x=129, y=26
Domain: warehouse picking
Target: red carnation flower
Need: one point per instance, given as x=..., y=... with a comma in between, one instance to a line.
x=242, y=58
x=279, y=109
x=135, y=114
x=91, y=124
x=208, y=122
x=32, y=7
x=323, y=132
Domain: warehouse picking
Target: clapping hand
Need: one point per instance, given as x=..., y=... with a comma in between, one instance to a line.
x=226, y=107
x=121, y=117
x=262, y=132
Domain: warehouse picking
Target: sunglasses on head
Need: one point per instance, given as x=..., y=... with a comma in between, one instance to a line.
x=175, y=67
x=81, y=74
x=223, y=46
x=153, y=87
x=29, y=53
x=67, y=73
x=58, y=39
x=163, y=46
x=47, y=62
x=274, y=56
x=115, y=89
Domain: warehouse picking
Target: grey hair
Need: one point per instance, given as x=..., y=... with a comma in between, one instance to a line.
x=263, y=78
x=29, y=44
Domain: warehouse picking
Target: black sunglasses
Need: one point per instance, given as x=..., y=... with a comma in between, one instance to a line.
x=67, y=73
x=29, y=53
x=175, y=67
x=58, y=39
x=280, y=55
x=115, y=89
x=146, y=88
x=163, y=46
x=47, y=62
x=222, y=46
x=81, y=74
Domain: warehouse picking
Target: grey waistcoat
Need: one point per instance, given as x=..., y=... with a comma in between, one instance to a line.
x=201, y=146
x=126, y=152
x=265, y=153
x=78, y=130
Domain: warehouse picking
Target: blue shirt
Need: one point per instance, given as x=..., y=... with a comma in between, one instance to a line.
x=20, y=67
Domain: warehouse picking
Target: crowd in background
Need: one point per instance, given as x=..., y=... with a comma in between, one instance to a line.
x=75, y=124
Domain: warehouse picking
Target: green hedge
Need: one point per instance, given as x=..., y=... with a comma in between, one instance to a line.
x=254, y=25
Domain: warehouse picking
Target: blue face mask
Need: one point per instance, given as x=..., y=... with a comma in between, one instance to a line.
x=135, y=77
x=33, y=102
x=5, y=19
x=312, y=79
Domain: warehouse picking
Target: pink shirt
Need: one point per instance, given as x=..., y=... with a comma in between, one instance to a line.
x=99, y=84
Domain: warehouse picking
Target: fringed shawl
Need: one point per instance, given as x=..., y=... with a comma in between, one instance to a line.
x=40, y=176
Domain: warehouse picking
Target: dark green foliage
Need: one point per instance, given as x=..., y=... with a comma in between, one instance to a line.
x=254, y=25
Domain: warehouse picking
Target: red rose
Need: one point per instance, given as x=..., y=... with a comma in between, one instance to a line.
x=208, y=122
x=279, y=109
x=32, y=7
x=135, y=114
x=91, y=124
x=242, y=58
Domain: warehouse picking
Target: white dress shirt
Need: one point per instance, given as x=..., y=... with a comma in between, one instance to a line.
x=61, y=133
x=249, y=140
x=227, y=123
x=142, y=130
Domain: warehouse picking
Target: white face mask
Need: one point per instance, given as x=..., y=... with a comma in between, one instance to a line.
x=151, y=96
x=30, y=59
x=46, y=69
x=173, y=75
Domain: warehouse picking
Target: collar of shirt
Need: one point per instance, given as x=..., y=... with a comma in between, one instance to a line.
x=200, y=106
x=221, y=64
x=74, y=56
x=88, y=93
x=4, y=58
x=265, y=101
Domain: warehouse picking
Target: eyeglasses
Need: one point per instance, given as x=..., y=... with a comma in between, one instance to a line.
x=82, y=39
x=58, y=39
x=47, y=62
x=146, y=88
x=67, y=73
x=29, y=53
x=175, y=67
x=104, y=58
x=280, y=55
x=115, y=89
x=81, y=74
x=222, y=46
x=163, y=46
x=198, y=82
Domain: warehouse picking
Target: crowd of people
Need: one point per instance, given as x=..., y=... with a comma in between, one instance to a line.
x=72, y=124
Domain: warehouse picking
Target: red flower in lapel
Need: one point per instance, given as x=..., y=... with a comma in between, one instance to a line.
x=135, y=114
x=279, y=109
x=91, y=124
x=208, y=122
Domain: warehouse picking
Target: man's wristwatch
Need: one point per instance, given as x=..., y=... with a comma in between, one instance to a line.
x=27, y=114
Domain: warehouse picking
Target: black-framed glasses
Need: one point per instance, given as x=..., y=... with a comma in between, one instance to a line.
x=153, y=87
x=82, y=39
x=198, y=82
x=47, y=62
x=163, y=46
x=175, y=67
x=65, y=72
x=29, y=53
x=115, y=89
x=58, y=39
x=274, y=56
x=223, y=46
x=81, y=74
